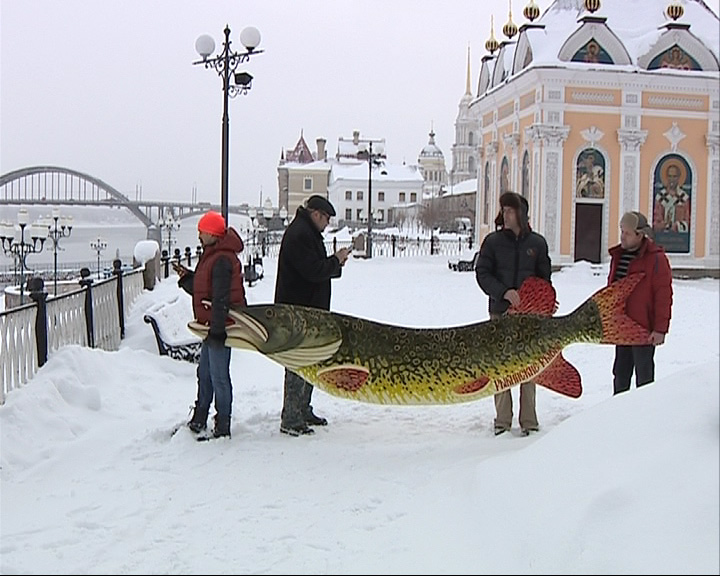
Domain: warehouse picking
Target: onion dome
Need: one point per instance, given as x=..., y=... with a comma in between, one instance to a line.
x=531, y=11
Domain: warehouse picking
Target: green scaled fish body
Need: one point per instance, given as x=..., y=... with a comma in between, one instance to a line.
x=369, y=361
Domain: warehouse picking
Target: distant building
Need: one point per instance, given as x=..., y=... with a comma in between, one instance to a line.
x=432, y=165
x=302, y=173
x=344, y=180
x=467, y=130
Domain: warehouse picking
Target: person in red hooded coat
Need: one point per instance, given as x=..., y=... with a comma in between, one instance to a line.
x=217, y=278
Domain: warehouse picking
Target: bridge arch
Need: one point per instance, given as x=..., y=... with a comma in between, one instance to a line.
x=58, y=185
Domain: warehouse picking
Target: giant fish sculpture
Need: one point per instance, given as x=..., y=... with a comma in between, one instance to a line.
x=373, y=362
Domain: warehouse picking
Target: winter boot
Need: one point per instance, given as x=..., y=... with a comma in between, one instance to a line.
x=198, y=422
x=299, y=430
x=222, y=426
x=312, y=419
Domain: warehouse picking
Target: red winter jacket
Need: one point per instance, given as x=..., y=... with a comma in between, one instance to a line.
x=650, y=303
x=218, y=278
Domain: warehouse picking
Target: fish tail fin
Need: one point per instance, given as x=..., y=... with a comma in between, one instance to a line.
x=617, y=327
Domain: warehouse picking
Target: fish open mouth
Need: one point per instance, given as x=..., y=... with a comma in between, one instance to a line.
x=254, y=329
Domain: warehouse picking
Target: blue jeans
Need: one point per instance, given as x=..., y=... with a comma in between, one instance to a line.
x=213, y=375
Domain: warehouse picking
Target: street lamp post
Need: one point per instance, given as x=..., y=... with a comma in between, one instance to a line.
x=55, y=235
x=171, y=225
x=252, y=213
x=98, y=245
x=267, y=212
x=18, y=247
x=373, y=159
x=225, y=64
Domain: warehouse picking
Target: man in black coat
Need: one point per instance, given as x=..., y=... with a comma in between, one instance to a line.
x=303, y=277
x=507, y=257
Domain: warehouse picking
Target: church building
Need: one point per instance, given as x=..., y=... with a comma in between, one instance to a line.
x=597, y=107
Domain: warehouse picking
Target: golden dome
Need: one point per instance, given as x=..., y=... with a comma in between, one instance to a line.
x=675, y=10
x=531, y=11
x=492, y=44
x=510, y=28
x=592, y=5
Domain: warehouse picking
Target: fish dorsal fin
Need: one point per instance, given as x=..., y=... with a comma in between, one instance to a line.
x=562, y=377
x=300, y=357
x=537, y=296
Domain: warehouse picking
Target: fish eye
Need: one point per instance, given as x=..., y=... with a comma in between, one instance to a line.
x=269, y=313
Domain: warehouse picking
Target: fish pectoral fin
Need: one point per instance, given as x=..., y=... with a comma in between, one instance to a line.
x=349, y=377
x=562, y=377
x=305, y=356
x=537, y=296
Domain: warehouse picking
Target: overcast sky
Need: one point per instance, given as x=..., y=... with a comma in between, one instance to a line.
x=108, y=88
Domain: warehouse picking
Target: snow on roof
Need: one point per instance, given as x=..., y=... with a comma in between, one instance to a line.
x=465, y=187
x=320, y=165
x=386, y=172
x=637, y=23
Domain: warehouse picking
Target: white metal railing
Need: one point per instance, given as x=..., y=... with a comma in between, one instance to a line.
x=66, y=321
x=18, y=352
x=66, y=325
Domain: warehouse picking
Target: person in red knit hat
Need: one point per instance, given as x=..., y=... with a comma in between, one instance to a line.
x=218, y=278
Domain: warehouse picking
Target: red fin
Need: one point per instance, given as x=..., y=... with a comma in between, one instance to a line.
x=537, y=296
x=350, y=378
x=472, y=387
x=562, y=377
x=617, y=327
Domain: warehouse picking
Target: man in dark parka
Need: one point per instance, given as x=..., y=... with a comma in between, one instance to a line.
x=507, y=257
x=303, y=277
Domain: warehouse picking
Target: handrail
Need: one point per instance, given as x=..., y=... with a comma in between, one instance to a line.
x=25, y=342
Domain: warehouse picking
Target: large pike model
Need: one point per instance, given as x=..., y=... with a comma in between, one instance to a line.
x=373, y=362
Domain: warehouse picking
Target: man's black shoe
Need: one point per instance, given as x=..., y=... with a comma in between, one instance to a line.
x=197, y=427
x=314, y=420
x=300, y=430
x=499, y=430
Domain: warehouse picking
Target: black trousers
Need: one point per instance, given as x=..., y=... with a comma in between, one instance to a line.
x=640, y=359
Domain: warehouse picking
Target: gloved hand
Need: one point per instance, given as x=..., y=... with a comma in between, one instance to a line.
x=216, y=338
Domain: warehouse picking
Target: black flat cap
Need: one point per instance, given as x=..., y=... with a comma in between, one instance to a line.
x=317, y=202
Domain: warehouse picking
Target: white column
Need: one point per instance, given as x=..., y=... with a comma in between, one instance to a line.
x=712, y=242
x=631, y=140
x=552, y=138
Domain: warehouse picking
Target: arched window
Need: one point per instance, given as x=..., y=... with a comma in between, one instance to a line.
x=471, y=165
x=471, y=139
x=504, y=175
x=525, y=184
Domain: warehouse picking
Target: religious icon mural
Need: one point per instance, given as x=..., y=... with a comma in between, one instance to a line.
x=675, y=58
x=672, y=186
x=592, y=53
x=590, y=175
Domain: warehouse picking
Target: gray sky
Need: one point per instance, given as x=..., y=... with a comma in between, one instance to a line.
x=107, y=87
